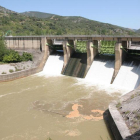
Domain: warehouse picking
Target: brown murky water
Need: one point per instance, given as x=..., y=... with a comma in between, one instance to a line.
x=36, y=108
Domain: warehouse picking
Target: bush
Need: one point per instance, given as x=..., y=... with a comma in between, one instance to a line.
x=3, y=72
x=12, y=56
x=11, y=70
x=26, y=56
x=16, y=69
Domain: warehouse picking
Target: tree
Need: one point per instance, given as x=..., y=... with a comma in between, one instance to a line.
x=3, y=48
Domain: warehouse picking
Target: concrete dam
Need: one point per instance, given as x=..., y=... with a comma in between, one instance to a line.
x=100, y=62
x=58, y=91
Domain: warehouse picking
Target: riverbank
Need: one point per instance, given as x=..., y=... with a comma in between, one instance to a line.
x=21, y=66
x=126, y=115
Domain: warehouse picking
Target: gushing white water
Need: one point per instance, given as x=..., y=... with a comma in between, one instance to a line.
x=53, y=66
x=128, y=76
x=101, y=71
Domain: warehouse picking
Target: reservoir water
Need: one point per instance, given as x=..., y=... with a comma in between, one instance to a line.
x=48, y=105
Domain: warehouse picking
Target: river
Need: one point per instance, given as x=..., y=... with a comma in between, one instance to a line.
x=38, y=107
x=49, y=105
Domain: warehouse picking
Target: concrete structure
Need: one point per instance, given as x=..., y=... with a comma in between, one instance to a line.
x=119, y=129
x=92, y=50
x=134, y=45
x=68, y=41
x=68, y=49
x=22, y=43
x=120, y=55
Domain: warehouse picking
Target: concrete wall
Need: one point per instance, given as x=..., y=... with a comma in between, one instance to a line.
x=22, y=43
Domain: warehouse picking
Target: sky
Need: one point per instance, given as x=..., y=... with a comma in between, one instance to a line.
x=125, y=13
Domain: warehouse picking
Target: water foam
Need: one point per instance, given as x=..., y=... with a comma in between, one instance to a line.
x=128, y=76
x=101, y=71
x=15, y=92
x=53, y=66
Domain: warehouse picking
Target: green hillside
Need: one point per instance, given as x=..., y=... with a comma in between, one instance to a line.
x=20, y=24
x=37, y=14
x=138, y=31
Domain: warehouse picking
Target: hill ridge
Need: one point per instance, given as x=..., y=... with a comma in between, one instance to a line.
x=37, y=14
x=21, y=24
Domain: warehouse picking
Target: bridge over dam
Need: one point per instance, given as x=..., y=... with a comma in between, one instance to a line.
x=103, y=60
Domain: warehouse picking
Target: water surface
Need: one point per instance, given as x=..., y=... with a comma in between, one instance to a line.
x=59, y=107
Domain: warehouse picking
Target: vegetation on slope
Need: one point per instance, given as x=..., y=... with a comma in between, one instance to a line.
x=20, y=24
x=37, y=14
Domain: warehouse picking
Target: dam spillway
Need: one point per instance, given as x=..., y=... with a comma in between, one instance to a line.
x=53, y=66
x=77, y=65
x=129, y=74
x=101, y=70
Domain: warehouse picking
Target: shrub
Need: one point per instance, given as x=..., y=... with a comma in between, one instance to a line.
x=3, y=72
x=26, y=56
x=11, y=71
x=12, y=56
x=16, y=69
x=127, y=112
x=118, y=105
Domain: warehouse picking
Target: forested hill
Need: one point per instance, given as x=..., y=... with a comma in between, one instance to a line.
x=138, y=31
x=20, y=24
